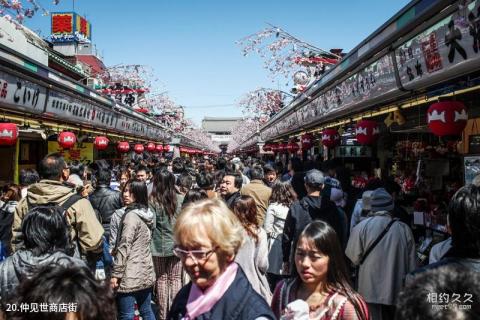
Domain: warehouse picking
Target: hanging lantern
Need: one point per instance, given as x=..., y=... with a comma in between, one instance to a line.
x=282, y=147
x=66, y=139
x=166, y=148
x=330, y=138
x=151, y=147
x=8, y=134
x=101, y=143
x=447, y=118
x=138, y=148
x=267, y=147
x=307, y=141
x=275, y=147
x=367, y=132
x=123, y=147
x=159, y=148
x=293, y=147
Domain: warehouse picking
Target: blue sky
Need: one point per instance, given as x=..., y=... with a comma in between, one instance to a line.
x=191, y=43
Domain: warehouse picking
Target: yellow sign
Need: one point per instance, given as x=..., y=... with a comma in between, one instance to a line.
x=83, y=154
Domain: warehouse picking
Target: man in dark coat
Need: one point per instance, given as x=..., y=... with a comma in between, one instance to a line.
x=311, y=207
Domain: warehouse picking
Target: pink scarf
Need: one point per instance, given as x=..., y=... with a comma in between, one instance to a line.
x=200, y=301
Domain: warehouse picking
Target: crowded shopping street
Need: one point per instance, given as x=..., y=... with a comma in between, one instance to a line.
x=244, y=160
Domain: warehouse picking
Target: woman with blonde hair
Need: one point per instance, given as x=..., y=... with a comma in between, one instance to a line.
x=207, y=238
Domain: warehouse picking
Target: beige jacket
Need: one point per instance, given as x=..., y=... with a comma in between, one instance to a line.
x=81, y=216
x=261, y=194
x=133, y=257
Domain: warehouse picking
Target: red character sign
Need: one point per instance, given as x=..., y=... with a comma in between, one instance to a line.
x=138, y=148
x=367, y=132
x=292, y=147
x=307, y=141
x=62, y=23
x=447, y=118
x=8, y=134
x=151, y=147
x=330, y=138
x=159, y=148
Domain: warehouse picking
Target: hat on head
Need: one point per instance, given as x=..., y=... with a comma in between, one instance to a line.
x=367, y=200
x=381, y=200
x=314, y=177
x=336, y=195
x=236, y=160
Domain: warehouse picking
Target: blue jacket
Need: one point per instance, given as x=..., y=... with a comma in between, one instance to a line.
x=240, y=302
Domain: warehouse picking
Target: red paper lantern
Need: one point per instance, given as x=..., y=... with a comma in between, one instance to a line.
x=267, y=147
x=307, y=141
x=138, y=148
x=159, y=148
x=123, y=147
x=330, y=138
x=150, y=147
x=447, y=118
x=275, y=147
x=367, y=132
x=282, y=147
x=8, y=134
x=293, y=147
x=66, y=139
x=101, y=143
x=166, y=148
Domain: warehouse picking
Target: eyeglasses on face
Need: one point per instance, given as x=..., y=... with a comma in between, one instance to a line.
x=197, y=255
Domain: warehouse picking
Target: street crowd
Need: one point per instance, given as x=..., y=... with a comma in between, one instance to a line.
x=227, y=238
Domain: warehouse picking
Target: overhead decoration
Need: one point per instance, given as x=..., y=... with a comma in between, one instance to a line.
x=101, y=143
x=293, y=146
x=307, y=141
x=447, y=118
x=275, y=147
x=330, y=138
x=66, y=139
x=166, y=148
x=159, y=148
x=367, y=132
x=8, y=134
x=263, y=103
x=123, y=147
x=150, y=147
x=138, y=148
x=284, y=55
x=283, y=147
x=17, y=10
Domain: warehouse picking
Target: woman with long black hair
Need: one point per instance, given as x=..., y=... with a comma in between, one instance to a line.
x=166, y=204
x=321, y=288
x=133, y=275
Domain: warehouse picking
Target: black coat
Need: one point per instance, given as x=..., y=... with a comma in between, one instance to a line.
x=303, y=212
x=230, y=200
x=105, y=201
x=240, y=302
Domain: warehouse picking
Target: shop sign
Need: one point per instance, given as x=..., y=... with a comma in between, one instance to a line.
x=71, y=109
x=81, y=151
x=21, y=94
x=448, y=48
x=69, y=26
x=308, y=113
x=132, y=126
x=353, y=152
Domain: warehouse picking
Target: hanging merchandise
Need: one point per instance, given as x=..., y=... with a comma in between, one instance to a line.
x=138, y=148
x=307, y=141
x=330, y=138
x=66, y=139
x=367, y=132
x=123, y=147
x=293, y=146
x=447, y=118
x=8, y=134
x=151, y=147
x=101, y=143
x=159, y=148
